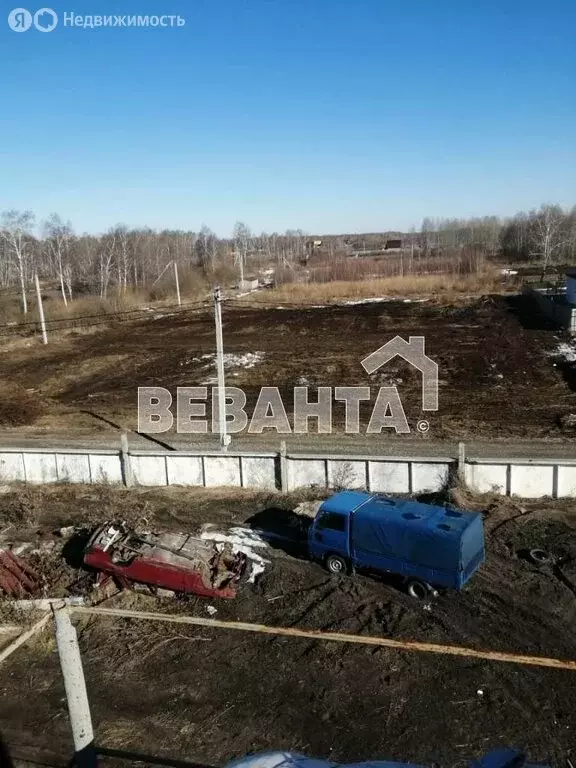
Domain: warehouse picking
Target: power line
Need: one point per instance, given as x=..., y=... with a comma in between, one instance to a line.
x=62, y=323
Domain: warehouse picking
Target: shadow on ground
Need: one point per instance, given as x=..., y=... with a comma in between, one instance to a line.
x=283, y=529
x=528, y=314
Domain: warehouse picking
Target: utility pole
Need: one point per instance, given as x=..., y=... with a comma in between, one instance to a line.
x=224, y=438
x=177, y=283
x=240, y=260
x=75, y=687
x=41, y=310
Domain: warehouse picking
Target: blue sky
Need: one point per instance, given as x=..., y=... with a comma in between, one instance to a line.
x=330, y=116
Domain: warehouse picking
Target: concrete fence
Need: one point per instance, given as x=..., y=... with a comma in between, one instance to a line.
x=286, y=471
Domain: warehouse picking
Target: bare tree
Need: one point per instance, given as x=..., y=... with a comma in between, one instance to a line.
x=206, y=249
x=58, y=237
x=548, y=234
x=241, y=236
x=15, y=230
x=106, y=258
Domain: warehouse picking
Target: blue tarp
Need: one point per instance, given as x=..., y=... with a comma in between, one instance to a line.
x=499, y=758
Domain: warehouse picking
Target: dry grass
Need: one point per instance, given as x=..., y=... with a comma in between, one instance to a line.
x=193, y=286
x=409, y=285
x=21, y=409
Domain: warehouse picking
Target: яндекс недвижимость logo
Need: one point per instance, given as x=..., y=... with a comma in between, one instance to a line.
x=21, y=20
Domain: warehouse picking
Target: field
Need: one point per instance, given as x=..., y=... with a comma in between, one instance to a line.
x=206, y=696
x=497, y=376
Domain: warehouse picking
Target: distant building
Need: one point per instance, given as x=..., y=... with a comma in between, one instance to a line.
x=392, y=244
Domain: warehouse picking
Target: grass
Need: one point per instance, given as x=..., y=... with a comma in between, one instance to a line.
x=406, y=286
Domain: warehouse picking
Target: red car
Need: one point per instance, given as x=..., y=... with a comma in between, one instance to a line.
x=175, y=561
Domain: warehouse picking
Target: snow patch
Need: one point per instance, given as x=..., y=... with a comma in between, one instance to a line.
x=566, y=351
x=242, y=540
x=231, y=360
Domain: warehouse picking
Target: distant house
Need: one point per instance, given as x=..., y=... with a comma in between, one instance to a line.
x=392, y=244
x=311, y=246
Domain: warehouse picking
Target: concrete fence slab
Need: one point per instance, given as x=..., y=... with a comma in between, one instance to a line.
x=428, y=477
x=389, y=476
x=258, y=472
x=40, y=467
x=184, y=470
x=305, y=472
x=487, y=478
x=105, y=469
x=73, y=467
x=531, y=481
x=566, y=481
x=12, y=468
x=222, y=470
x=149, y=470
x=347, y=474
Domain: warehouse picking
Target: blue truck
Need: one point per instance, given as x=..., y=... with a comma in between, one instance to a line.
x=429, y=547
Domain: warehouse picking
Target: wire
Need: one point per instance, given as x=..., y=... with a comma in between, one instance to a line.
x=62, y=323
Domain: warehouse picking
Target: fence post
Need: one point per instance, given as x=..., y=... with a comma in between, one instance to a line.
x=283, y=468
x=127, y=475
x=75, y=687
x=462, y=462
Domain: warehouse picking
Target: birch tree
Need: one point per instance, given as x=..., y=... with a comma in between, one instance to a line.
x=16, y=230
x=58, y=237
x=548, y=233
x=241, y=237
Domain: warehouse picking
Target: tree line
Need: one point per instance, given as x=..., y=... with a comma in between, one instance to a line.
x=124, y=258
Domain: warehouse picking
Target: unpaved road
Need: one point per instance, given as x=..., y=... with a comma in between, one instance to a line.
x=206, y=696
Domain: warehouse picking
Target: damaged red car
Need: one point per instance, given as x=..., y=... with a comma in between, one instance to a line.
x=175, y=561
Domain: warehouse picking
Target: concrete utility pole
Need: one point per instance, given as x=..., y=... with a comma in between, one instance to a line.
x=75, y=687
x=224, y=438
x=177, y=283
x=41, y=310
x=240, y=260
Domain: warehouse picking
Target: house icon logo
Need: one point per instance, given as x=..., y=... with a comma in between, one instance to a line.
x=413, y=352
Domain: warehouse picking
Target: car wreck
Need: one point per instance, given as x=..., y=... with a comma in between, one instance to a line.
x=174, y=561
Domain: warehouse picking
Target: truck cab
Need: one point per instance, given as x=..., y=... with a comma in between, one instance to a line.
x=428, y=546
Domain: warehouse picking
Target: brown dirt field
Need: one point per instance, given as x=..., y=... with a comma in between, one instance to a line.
x=496, y=378
x=207, y=696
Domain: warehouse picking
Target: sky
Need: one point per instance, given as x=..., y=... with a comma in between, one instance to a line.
x=325, y=115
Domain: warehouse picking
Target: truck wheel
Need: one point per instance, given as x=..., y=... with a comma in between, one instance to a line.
x=417, y=589
x=336, y=564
